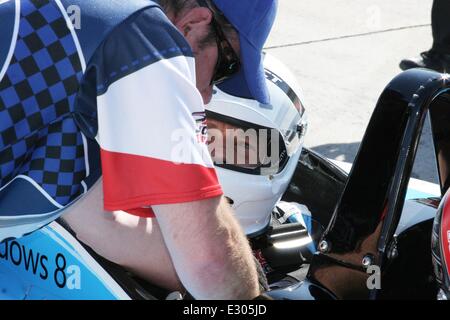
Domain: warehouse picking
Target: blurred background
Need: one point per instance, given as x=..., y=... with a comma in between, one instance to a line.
x=343, y=53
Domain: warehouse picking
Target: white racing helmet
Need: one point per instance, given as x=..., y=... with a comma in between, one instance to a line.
x=256, y=147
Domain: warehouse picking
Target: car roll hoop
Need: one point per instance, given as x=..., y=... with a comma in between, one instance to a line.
x=368, y=212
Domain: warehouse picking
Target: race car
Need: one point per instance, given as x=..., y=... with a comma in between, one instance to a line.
x=317, y=227
x=364, y=254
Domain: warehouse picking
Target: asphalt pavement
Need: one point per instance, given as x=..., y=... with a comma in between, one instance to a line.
x=343, y=53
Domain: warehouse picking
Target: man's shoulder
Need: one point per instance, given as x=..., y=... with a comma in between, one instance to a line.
x=145, y=39
x=96, y=20
x=93, y=20
x=107, y=13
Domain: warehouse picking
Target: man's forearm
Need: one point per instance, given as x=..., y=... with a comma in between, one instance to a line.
x=209, y=250
x=240, y=277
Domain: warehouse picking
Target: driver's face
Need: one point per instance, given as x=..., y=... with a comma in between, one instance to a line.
x=228, y=143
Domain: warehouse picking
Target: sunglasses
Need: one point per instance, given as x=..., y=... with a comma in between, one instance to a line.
x=228, y=62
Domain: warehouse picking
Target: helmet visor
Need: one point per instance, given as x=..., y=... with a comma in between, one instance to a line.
x=241, y=146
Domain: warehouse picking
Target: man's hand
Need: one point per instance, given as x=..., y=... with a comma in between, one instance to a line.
x=209, y=250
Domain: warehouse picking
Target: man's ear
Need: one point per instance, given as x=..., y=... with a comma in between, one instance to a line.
x=193, y=19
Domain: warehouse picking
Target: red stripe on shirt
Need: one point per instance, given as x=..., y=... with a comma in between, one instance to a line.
x=131, y=182
x=142, y=212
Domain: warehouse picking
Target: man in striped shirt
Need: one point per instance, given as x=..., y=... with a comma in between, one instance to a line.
x=120, y=101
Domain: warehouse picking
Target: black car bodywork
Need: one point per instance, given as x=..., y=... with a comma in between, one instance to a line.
x=361, y=230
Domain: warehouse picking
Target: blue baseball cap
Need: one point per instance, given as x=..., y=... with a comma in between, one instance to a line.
x=253, y=20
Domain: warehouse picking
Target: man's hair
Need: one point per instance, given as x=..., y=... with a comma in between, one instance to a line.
x=177, y=7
